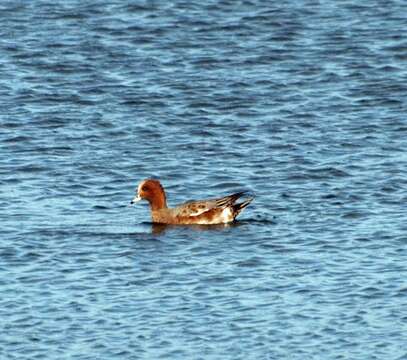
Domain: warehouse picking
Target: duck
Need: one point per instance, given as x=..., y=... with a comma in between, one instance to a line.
x=221, y=210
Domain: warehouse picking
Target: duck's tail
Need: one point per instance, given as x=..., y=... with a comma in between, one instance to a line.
x=237, y=208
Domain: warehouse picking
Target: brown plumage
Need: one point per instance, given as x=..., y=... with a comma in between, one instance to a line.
x=206, y=212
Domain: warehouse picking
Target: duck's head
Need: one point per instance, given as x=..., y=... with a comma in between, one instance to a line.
x=152, y=191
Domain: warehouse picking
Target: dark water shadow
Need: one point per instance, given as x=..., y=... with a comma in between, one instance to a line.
x=160, y=229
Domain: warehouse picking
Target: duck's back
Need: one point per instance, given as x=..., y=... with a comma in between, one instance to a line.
x=213, y=211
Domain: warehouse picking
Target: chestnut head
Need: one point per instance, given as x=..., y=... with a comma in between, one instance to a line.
x=152, y=191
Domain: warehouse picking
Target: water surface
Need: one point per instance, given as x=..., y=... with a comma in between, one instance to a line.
x=302, y=102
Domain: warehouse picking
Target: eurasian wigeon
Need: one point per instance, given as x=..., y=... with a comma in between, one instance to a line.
x=205, y=212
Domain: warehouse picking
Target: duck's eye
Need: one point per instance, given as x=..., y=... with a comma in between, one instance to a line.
x=144, y=188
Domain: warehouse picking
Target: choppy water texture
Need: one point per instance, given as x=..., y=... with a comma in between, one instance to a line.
x=302, y=102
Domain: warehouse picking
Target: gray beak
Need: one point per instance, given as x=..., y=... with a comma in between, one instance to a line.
x=136, y=199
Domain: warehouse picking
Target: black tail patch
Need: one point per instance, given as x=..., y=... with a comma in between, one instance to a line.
x=237, y=208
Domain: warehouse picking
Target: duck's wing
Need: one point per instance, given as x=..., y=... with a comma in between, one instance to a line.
x=197, y=208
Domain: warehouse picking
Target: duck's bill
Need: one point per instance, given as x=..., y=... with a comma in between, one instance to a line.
x=136, y=199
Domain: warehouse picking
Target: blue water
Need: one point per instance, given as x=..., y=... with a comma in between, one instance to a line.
x=302, y=102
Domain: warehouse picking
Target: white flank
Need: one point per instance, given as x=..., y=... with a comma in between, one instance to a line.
x=227, y=215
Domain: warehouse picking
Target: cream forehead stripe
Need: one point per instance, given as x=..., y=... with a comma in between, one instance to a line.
x=140, y=186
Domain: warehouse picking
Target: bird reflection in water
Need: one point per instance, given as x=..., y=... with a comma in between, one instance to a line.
x=160, y=229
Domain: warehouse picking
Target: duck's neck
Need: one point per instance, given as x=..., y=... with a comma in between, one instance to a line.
x=158, y=201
